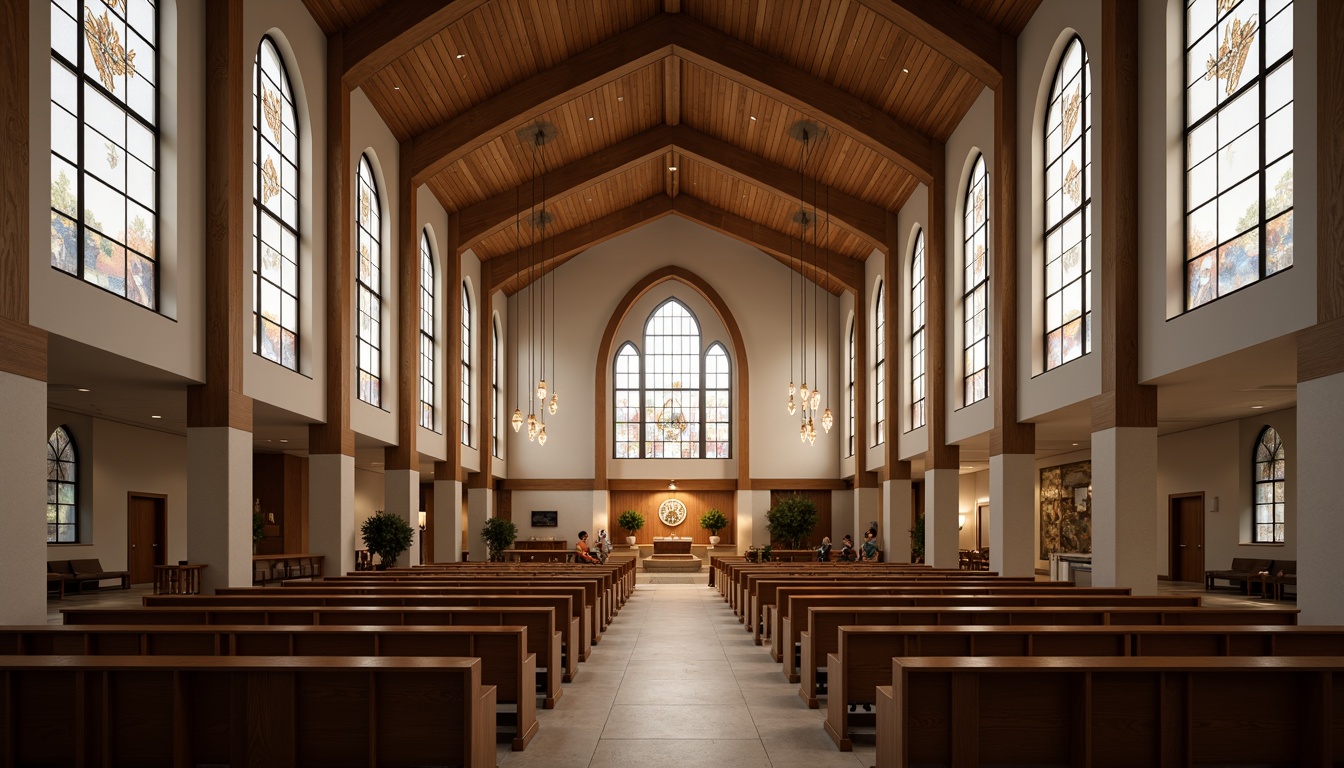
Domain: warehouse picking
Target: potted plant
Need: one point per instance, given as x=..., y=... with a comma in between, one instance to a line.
x=387, y=536
x=498, y=535
x=917, y=541
x=258, y=526
x=713, y=521
x=792, y=520
x=630, y=521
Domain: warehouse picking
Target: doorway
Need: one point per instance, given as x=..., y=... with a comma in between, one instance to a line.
x=146, y=534
x=1186, y=559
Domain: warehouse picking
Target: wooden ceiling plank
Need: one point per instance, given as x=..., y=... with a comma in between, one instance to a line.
x=672, y=90
x=395, y=30
x=955, y=32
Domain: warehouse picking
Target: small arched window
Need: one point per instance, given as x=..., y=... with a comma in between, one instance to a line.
x=369, y=279
x=880, y=366
x=496, y=404
x=626, y=388
x=917, y=333
x=275, y=200
x=62, y=488
x=850, y=382
x=975, y=298
x=1268, y=472
x=426, y=331
x=1068, y=210
x=466, y=365
x=718, y=402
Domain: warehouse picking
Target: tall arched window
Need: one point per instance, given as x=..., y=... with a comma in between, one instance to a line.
x=466, y=365
x=850, y=381
x=368, y=220
x=1238, y=145
x=880, y=366
x=275, y=200
x=626, y=390
x=1068, y=210
x=917, y=333
x=1268, y=473
x=718, y=402
x=975, y=299
x=496, y=374
x=427, y=367
x=62, y=487
x=105, y=145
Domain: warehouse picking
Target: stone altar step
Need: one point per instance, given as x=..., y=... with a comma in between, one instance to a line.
x=672, y=564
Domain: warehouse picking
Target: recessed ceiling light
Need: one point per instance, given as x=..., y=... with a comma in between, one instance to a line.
x=753, y=117
x=85, y=389
x=283, y=440
x=905, y=71
x=1075, y=443
x=396, y=87
x=671, y=167
x=1256, y=407
x=590, y=118
x=460, y=56
x=620, y=98
x=156, y=416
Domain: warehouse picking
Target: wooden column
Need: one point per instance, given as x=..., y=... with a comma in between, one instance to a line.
x=1321, y=348
x=940, y=455
x=404, y=455
x=220, y=401
x=485, y=408
x=336, y=436
x=1009, y=435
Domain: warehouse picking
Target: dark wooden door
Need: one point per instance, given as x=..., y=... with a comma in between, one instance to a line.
x=1187, y=537
x=145, y=535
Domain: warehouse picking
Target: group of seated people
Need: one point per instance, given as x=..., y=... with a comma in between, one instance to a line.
x=584, y=554
x=866, y=553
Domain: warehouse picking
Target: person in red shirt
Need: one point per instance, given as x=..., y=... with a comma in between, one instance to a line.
x=581, y=552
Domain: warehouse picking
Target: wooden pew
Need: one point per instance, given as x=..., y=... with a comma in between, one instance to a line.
x=855, y=571
x=601, y=589
x=505, y=662
x=811, y=637
x=1087, y=710
x=862, y=660
x=620, y=574
x=229, y=710
x=543, y=640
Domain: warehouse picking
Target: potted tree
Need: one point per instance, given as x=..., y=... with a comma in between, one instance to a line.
x=792, y=520
x=387, y=536
x=713, y=521
x=917, y=541
x=630, y=521
x=498, y=535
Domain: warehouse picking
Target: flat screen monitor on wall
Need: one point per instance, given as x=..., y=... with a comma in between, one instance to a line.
x=545, y=518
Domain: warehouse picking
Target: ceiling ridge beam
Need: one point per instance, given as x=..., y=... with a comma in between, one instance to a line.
x=395, y=30
x=958, y=33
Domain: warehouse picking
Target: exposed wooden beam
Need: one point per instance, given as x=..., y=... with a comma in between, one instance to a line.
x=503, y=272
x=404, y=454
x=842, y=272
x=953, y=31
x=672, y=90
x=394, y=30
x=849, y=213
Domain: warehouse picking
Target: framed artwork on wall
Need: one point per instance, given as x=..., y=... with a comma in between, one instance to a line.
x=545, y=518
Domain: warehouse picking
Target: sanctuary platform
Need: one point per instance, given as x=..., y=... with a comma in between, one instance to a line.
x=672, y=555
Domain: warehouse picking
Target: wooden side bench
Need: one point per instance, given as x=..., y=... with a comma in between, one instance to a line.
x=230, y=710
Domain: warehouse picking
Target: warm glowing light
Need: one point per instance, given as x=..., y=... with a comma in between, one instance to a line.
x=532, y=425
x=517, y=419
x=541, y=435
x=792, y=407
x=792, y=390
x=802, y=432
x=811, y=433
x=554, y=406
x=805, y=393
x=541, y=391
x=816, y=399
x=827, y=420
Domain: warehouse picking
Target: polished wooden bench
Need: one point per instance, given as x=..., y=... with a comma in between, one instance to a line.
x=230, y=710
x=506, y=664
x=543, y=640
x=609, y=579
x=1280, y=711
x=856, y=572
x=737, y=575
x=807, y=638
x=285, y=566
x=862, y=660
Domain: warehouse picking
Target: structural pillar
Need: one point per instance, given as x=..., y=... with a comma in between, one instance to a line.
x=942, y=513
x=894, y=532
x=1012, y=515
x=942, y=460
x=401, y=462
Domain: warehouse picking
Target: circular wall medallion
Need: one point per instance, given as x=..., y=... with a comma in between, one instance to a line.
x=672, y=512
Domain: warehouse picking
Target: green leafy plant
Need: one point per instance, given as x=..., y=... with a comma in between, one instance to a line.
x=917, y=541
x=258, y=527
x=792, y=520
x=387, y=536
x=713, y=521
x=767, y=553
x=630, y=521
x=498, y=535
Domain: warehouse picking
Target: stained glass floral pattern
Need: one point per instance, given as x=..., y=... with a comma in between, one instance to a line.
x=427, y=327
x=1068, y=209
x=917, y=333
x=368, y=332
x=975, y=284
x=109, y=56
x=275, y=266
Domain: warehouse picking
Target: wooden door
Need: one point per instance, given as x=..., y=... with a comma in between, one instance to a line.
x=1187, y=536
x=145, y=535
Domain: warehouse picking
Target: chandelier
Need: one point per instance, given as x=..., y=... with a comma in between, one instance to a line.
x=539, y=326
x=803, y=398
x=671, y=419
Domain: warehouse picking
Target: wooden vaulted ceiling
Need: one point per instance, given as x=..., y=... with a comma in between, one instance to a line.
x=638, y=87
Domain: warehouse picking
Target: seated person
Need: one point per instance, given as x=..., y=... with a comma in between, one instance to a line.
x=847, y=553
x=581, y=551
x=868, y=553
x=603, y=546
x=824, y=551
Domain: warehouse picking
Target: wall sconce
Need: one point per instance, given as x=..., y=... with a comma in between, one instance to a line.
x=422, y=537
x=672, y=485
x=422, y=519
x=961, y=521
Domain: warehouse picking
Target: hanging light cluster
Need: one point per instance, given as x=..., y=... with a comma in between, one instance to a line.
x=538, y=325
x=807, y=399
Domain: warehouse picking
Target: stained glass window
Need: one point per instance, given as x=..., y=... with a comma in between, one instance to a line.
x=975, y=299
x=917, y=333
x=62, y=484
x=718, y=403
x=1068, y=210
x=369, y=281
x=105, y=145
x=275, y=203
x=1238, y=144
x=626, y=389
x=672, y=383
x=1268, y=472
x=496, y=405
x=850, y=380
x=426, y=332
x=880, y=367
x=466, y=365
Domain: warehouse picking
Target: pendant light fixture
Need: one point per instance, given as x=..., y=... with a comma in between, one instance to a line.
x=539, y=326
x=810, y=398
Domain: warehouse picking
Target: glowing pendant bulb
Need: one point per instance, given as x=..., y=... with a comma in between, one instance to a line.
x=816, y=399
x=792, y=407
x=802, y=432
x=811, y=432
x=541, y=391
x=517, y=419
x=541, y=435
x=531, y=426
x=827, y=420
x=792, y=389
x=805, y=393
x=554, y=406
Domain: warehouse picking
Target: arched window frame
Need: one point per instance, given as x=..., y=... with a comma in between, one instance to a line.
x=1225, y=71
x=975, y=256
x=62, y=488
x=114, y=179
x=466, y=364
x=1068, y=209
x=427, y=323
x=627, y=388
x=496, y=375
x=917, y=332
x=1268, y=497
x=672, y=355
x=879, y=366
x=368, y=280
x=275, y=201
x=718, y=400
x=850, y=438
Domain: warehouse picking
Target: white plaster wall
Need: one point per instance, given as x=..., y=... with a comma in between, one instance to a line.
x=972, y=490
x=1168, y=339
x=64, y=305
x=913, y=218
x=575, y=512
x=370, y=490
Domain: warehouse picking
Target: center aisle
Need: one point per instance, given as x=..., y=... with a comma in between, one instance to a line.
x=675, y=682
